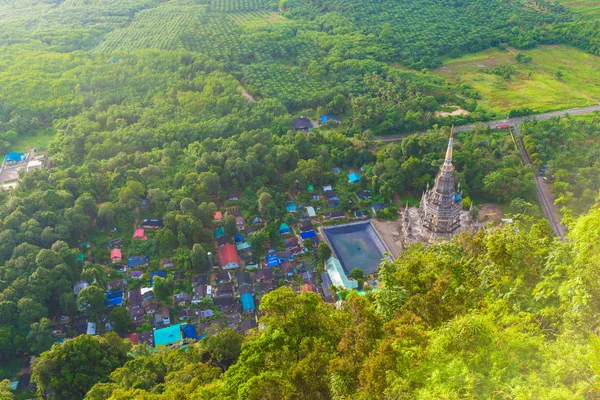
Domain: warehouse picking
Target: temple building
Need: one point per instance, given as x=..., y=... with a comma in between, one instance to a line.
x=442, y=205
x=440, y=214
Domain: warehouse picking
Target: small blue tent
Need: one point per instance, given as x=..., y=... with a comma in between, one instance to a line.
x=189, y=331
x=291, y=208
x=328, y=117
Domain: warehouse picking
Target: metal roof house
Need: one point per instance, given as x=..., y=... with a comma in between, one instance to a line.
x=248, y=305
x=228, y=256
x=338, y=275
x=169, y=335
x=354, y=177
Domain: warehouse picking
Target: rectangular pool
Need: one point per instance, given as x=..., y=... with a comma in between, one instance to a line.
x=356, y=245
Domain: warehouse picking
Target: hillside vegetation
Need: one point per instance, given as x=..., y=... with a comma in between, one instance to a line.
x=177, y=109
x=510, y=312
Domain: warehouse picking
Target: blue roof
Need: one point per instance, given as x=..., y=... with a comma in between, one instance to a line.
x=378, y=206
x=290, y=207
x=248, y=302
x=116, y=293
x=239, y=238
x=354, y=177
x=168, y=335
x=14, y=156
x=457, y=197
x=115, y=301
x=308, y=235
x=272, y=260
x=135, y=261
x=189, y=331
x=161, y=272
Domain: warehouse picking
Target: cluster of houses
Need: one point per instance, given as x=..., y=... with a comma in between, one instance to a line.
x=230, y=292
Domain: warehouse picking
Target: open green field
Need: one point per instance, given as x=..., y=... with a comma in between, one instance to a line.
x=533, y=85
x=28, y=142
x=587, y=9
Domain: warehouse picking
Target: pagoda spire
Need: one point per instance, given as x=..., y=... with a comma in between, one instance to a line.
x=448, y=161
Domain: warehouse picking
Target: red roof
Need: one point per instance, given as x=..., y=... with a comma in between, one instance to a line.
x=218, y=216
x=115, y=253
x=139, y=234
x=227, y=254
x=306, y=288
x=134, y=338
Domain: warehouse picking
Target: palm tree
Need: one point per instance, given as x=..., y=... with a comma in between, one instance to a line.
x=182, y=257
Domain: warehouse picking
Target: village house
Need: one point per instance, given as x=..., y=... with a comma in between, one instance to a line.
x=116, y=284
x=162, y=318
x=228, y=256
x=200, y=292
x=264, y=275
x=139, y=234
x=199, y=280
x=225, y=290
x=152, y=224
x=243, y=278
x=248, y=306
x=115, y=255
x=222, y=277
x=150, y=306
x=135, y=298
x=182, y=299
x=240, y=223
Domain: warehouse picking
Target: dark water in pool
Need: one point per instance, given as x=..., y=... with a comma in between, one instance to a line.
x=356, y=246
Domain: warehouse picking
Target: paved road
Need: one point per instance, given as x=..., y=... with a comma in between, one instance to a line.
x=548, y=206
x=511, y=121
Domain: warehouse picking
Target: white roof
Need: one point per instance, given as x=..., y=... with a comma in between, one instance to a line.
x=326, y=188
x=338, y=276
x=311, y=211
x=145, y=290
x=91, y=328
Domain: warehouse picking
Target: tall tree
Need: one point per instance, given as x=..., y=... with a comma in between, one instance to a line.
x=69, y=370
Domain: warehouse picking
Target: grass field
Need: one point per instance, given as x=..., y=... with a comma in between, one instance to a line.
x=587, y=9
x=39, y=141
x=534, y=85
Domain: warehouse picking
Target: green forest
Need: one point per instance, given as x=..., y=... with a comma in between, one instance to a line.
x=180, y=110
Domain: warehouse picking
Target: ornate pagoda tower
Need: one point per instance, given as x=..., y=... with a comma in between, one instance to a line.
x=441, y=206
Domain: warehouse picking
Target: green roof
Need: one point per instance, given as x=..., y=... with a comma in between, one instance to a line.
x=310, y=188
x=338, y=275
x=219, y=232
x=171, y=334
x=80, y=257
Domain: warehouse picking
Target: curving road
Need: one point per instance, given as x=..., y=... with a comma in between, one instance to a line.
x=509, y=121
